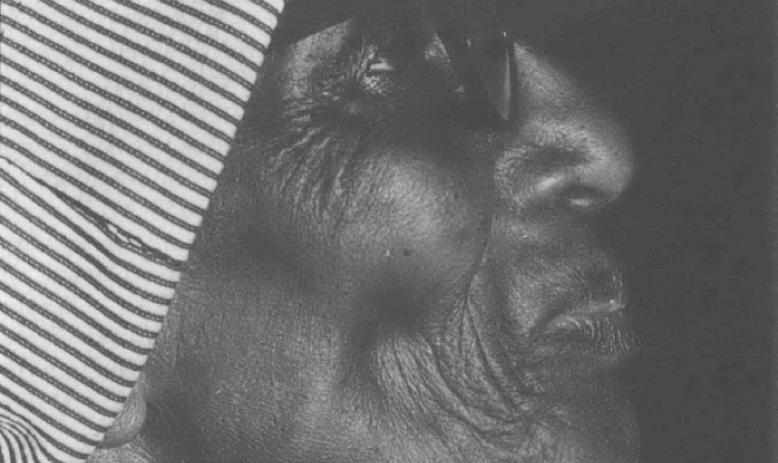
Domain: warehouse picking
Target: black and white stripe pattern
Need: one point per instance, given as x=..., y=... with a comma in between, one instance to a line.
x=115, y=118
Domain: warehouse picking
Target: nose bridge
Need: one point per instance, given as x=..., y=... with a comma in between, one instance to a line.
x=562, y=145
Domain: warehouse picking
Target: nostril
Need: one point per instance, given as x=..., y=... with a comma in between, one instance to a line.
x=570, y=192
x=580, y=179
x=586, y=165
x=584, y=198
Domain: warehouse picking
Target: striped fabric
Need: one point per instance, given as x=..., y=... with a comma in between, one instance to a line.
x=116, y=116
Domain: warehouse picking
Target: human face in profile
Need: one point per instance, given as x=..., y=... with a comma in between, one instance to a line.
x=397, y=267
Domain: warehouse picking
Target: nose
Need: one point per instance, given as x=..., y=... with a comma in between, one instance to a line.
x=562, y=149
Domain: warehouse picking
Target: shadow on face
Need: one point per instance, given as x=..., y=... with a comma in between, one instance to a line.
x=392, y=272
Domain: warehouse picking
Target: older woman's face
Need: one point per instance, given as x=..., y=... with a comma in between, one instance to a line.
x=391, y=271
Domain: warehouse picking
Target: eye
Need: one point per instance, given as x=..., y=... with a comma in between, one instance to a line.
x=382, y=63
x=408, y=67
x=385, y=72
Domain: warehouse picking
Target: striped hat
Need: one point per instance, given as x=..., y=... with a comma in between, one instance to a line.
x=116, y=116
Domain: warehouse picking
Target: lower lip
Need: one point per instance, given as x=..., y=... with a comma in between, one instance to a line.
x=603, y=335
x=582, y=321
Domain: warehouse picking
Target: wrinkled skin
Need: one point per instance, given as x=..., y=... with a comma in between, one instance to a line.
x=386, y=276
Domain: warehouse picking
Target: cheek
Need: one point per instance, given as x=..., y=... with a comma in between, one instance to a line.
x=262, y=351
x=423, y=213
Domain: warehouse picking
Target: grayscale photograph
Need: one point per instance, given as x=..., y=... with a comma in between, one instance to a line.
x=388, y=231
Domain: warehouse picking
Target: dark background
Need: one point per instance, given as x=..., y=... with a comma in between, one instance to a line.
x=695, y=84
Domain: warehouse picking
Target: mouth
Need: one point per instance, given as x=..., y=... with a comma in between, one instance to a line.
x=611, y=312
x=602, y=334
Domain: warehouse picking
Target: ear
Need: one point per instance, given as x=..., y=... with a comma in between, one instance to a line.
x=130, y=420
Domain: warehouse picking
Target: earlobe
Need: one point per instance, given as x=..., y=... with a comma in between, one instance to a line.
x=130, y=420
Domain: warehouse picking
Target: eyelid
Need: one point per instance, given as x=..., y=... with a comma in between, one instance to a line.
x=381, y=63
